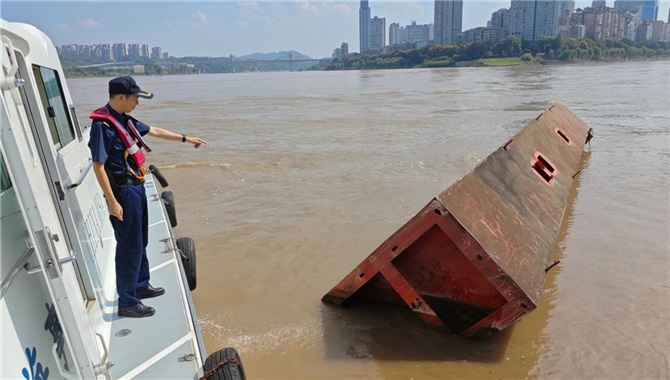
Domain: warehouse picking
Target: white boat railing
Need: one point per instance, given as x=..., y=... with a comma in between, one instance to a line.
x=81, y=177
x=16, y=269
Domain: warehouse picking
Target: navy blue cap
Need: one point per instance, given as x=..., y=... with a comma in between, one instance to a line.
x=127, y=86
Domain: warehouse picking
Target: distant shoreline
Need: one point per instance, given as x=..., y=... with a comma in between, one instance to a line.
x=481, y=63
x=500, y=62
x=556, y=62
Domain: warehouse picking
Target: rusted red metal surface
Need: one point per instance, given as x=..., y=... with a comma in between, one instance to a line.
x=473, y=260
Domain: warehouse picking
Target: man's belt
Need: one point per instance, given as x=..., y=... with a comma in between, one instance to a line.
x=134, y=181
x=129, y=181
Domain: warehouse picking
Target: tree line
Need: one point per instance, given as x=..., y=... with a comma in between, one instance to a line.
x=546, y=48
x=72, y=66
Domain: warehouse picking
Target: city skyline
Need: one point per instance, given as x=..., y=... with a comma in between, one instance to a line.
x=314, y=28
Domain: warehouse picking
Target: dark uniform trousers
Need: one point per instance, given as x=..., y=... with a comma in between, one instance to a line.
x=132, y=266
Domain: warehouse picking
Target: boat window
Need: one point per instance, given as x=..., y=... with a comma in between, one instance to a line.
x=5, y=182
x=53, y=100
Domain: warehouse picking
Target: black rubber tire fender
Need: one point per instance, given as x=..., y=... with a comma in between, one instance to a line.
x=187, y=247
x=159, y=176
x=170, y=207
x=231, y=369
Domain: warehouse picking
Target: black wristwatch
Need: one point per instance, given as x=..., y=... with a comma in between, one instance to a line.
x=183, y=138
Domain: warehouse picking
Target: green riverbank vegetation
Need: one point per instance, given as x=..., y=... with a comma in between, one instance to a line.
x=510, y=51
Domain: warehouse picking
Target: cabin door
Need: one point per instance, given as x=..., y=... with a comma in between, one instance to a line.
x=66, y=161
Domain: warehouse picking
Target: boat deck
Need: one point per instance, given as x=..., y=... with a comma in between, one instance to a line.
x=146, y=347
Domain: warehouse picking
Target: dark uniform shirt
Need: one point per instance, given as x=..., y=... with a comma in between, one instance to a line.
x=106, y=145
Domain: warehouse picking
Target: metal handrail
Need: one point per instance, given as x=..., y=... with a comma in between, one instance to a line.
x=38, y=268
x=23, y=261
x=81, y=177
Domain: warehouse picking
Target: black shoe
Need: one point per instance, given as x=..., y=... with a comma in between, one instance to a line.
x=138, y=311
x=149, y=292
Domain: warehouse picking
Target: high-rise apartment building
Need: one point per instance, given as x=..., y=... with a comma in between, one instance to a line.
x=644, y=31
x=156, y=52
x=364, y=26
x=448, y=21
x=481, y=34
x=377, y=33
x=566, y=6
x=107, y=52
x=394, y=34
x=531, y=19
x=650, y=10
x=596, y=4
x=659, y=30
x=134, y=50
x=417, y=33
x=627, y=5
x=500, y=19
x=113, y=52
x=341, y=52
x=600, y=23
x=120, y=50
x=647, y=9
x=145, y=51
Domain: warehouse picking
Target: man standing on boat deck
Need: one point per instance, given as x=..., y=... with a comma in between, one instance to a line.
x=118, y=163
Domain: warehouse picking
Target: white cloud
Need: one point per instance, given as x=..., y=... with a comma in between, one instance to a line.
x=340, y=6
x=250, y=5
x=198, y=20
x=308, y=7
x=91, y=24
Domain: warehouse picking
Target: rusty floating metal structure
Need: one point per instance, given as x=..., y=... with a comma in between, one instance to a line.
x=474, y=259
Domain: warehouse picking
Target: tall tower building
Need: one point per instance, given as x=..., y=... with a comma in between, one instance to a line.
x=628, y=5
x=364, y=26
x=156, y=52
x=394, y=34
x=120, y=50
x=448, y=21
x=107, y=52
x=650, y=10
x=344, y=48
x=134, y=50
x=418, y=33
x=566, y=6
x=595, y=4
x=377, y=32
x=145, y=51
x=647, y=9
x=531, y=19
x=500, y=19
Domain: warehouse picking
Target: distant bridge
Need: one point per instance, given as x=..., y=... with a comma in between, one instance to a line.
x=290, y=61
x=233, y=60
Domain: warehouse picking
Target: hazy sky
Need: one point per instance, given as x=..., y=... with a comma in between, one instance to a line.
x=221, y=28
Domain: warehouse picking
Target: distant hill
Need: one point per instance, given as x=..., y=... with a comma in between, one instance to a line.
x=282, y=55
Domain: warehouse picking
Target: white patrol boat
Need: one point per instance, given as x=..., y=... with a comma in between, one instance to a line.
x=58, y=299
